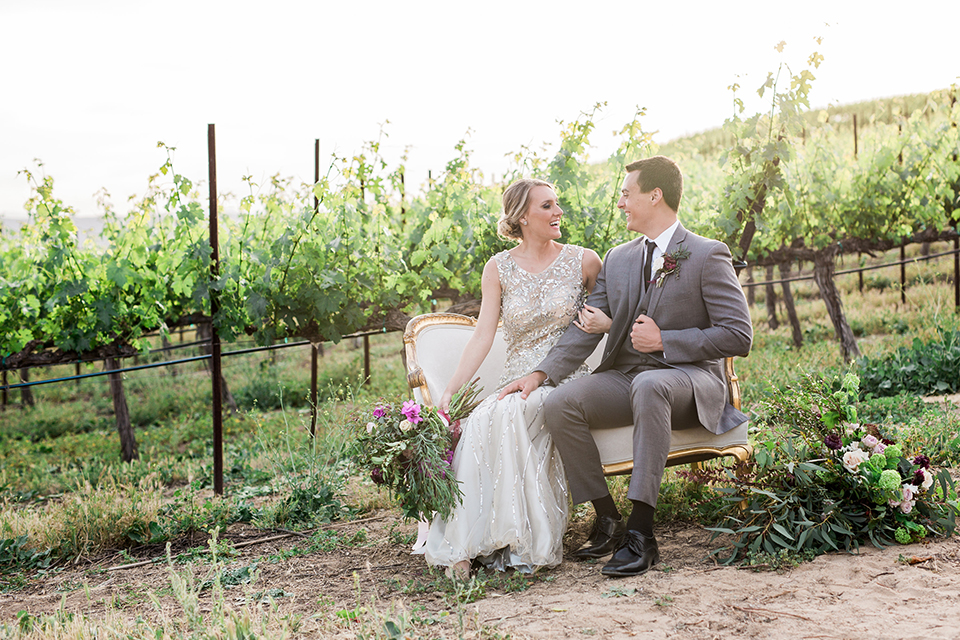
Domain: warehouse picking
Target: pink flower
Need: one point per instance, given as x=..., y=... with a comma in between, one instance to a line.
x=909, y=491
x=379, y=411
x=852, y=459
x=412, y=411
x=869, y=441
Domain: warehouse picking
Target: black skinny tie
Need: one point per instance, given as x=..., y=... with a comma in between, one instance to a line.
x=648, y=264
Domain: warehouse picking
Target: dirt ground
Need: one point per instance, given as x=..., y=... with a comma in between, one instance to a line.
x=875, y=594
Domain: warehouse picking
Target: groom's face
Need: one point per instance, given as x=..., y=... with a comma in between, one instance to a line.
x=637, y=206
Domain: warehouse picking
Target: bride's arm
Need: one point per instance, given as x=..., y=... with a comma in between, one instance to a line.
x=590, y=263
x=591, y=319
x=479, y=344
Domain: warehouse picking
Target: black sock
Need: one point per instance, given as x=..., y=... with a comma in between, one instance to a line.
x=641, y=518
x=605, y=506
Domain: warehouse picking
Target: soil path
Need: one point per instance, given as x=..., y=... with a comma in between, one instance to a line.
x=875, y=594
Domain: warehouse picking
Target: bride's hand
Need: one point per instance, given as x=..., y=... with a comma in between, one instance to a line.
x=592, y=320
x=445, y=402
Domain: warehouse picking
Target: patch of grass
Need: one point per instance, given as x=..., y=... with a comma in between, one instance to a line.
x=323, y=540
x=216, y=548
x=272, y=390
x=398, y=537
x=663, y=601
x=17, y=559
x=90, y=520
x=893, y=409
x=158, y=398
x=924, y=368
x=330, y=540
x=44, y=420
x=459, y=592
x=190, y=511
x=681, y=498
x=310, y=471
x=781, y=561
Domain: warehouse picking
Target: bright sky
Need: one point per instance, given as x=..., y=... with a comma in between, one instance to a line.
x=90, y=86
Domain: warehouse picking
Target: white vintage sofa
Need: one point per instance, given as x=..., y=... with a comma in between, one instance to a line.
x=432, y=346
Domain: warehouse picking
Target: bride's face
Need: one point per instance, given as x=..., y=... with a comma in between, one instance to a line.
x=543, y=214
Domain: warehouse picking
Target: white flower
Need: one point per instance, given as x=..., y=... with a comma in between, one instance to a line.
x=927, y=479
x=406, y=425
x=370, y=427
x=658, y=264
x=852, y=459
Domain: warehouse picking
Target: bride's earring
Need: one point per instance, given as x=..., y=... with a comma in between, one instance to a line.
x=523, y=222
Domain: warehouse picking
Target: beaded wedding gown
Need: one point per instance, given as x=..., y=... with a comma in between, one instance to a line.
x=515, y=503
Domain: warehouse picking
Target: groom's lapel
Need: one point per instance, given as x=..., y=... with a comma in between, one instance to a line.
x=635, y=278
x=653, y=294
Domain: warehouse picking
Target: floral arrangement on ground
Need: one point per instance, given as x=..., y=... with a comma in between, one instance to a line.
x=409, y=447
x=822, y=481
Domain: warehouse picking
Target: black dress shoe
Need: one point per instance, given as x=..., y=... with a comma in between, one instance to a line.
x=637, y=555
x=606, y=536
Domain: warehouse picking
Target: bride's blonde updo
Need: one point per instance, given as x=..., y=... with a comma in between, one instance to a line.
x=516, y=201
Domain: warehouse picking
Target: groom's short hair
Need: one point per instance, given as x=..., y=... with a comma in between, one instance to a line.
x=660, y=172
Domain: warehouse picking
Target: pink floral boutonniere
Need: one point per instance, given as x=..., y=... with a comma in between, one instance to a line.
x=668, y=264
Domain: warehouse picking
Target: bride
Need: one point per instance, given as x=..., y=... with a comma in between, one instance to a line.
x=514, y=509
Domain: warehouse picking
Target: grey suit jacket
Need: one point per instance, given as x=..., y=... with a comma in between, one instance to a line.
x=701, y=311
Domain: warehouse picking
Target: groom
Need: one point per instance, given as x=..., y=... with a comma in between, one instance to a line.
x=677, y=310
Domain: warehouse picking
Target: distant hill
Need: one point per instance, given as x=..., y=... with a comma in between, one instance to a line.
x=885, y=110
x=86, y=227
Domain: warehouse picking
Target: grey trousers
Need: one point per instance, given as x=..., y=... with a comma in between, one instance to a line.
x=655, y=401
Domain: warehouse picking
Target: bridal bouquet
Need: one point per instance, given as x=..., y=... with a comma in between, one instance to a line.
x=409, y=449
x=822, y=481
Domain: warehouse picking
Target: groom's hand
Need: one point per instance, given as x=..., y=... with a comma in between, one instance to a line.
x=525, y=385
x=645, y=335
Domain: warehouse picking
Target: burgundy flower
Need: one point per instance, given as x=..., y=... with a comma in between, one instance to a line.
x=922, y=461
x=377, y=476
x=669, y=264
x=832, y=441
x=918, y=477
